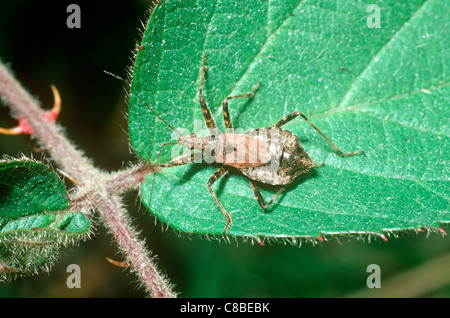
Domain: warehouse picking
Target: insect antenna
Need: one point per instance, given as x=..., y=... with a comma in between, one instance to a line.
x=165, y=122
x=160, y=149
x=156, y=114
x=157, y=165
x=143, y=101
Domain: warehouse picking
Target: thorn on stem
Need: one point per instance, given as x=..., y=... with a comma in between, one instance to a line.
x=53, y=113
x=21, y=128
x=24, y=128
x=74, y=181
x=122, y=264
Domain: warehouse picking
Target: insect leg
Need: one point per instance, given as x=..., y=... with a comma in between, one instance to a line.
x=209, y=119
x=219, y=173
x=260, y=199
x=226, y=113
x=297, y=113
x=179, y=161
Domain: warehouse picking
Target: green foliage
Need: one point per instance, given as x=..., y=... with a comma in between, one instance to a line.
x=29, y=187
x=35, y=220
x=382, y=90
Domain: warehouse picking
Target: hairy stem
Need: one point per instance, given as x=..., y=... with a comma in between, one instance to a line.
x=128, y=179
x=49, y=136
x=151, y=278
x=98, y=188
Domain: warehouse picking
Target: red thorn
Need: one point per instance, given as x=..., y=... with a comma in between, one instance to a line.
x=383, y=237
x=320, y=238
x=441, y=230
x=21, y=128
x=420, y=230
x=51, y=116
x=24, y=128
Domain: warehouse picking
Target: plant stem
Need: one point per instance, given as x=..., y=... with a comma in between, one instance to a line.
x=128, y=179
x=154, y=282
x=99, y=190
x=49, y=136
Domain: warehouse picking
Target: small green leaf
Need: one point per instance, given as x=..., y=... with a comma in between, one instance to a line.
x=29, y=187
x=382, y=90
x=34, y=218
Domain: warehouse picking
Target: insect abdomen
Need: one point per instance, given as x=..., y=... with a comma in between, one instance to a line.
x=241, y=151
x=288, y=159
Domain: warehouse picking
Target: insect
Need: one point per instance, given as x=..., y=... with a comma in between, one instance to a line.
x=268, y=155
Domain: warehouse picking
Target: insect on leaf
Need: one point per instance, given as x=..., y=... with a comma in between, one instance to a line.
x=382, y=90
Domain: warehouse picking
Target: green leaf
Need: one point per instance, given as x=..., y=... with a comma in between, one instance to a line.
x=29, y=187
x=35, y=221
x=382, y=90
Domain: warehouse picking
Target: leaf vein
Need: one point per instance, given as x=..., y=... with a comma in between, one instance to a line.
x=377, y=54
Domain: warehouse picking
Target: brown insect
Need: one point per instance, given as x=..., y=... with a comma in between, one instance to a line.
x=269, y=155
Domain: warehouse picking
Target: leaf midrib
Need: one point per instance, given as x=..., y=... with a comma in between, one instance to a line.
x=252, y=62
x=377, y=54
x=340, y=107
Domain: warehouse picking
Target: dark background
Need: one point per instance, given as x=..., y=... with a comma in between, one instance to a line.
x=39, y=48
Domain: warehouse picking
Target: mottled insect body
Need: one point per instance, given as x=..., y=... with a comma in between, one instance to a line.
x=288, y=159
x=239, y=150
x=269, y=155
x=236, y=150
